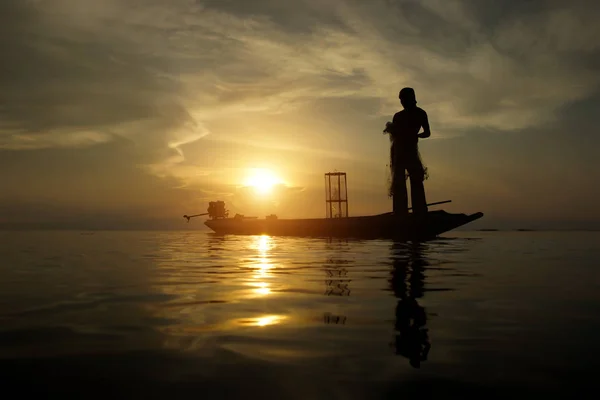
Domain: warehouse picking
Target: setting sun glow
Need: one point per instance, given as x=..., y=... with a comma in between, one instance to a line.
x=262, y=180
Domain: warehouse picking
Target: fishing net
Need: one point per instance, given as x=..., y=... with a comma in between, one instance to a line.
x=390, y=170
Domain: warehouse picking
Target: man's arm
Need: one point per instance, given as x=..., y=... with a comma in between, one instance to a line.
x=426, y=132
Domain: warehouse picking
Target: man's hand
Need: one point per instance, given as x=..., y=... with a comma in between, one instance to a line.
x=424, y=135
x=388, y=127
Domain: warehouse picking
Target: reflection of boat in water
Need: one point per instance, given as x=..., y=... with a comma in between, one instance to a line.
x=337, y=278
x=407, y=283
x=337, y=222
x=331, y=319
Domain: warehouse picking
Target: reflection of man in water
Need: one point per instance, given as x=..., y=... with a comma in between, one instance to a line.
x=412, y=340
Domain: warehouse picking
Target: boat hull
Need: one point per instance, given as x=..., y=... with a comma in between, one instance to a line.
x=373, y=226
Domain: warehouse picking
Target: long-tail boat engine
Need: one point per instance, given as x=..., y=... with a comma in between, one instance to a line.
x=216, y=210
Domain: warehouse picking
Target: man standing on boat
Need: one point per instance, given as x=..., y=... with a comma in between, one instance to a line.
x=404, y=153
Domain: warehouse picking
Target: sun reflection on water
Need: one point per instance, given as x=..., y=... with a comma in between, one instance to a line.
x=267, y=320
x=262, y=288
x=210, y=296
x=263, y=245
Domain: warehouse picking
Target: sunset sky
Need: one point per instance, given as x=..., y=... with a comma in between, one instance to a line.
x=129, y=114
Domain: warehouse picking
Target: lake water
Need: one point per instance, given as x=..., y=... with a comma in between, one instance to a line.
x=174, y=314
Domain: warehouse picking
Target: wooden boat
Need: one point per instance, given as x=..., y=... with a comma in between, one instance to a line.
x=381, y=226
x=338, y=223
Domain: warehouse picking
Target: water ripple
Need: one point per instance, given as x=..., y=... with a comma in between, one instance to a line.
x=287, y=300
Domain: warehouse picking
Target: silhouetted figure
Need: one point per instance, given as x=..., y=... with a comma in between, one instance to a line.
x=404, y=153
x=412, y=339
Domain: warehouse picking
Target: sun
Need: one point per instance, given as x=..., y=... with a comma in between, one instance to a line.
x=262, y=180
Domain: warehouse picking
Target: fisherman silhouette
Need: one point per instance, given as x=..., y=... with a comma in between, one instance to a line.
x=407, y=283
x=404, y=154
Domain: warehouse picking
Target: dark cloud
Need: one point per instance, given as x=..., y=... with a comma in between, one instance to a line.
x=300, y=19
x=73, y=86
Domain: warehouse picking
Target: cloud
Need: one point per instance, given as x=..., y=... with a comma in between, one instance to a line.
x=80, y=67
x=63, y=84
x=202, y=88
x=20, y=139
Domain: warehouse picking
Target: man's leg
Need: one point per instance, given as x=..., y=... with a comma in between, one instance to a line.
x=400, y=194
x=417, y=188
x=417, y=195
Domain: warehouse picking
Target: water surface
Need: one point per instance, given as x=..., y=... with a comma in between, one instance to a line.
x=191, y=313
